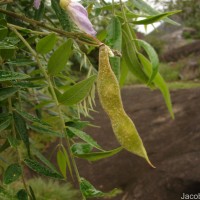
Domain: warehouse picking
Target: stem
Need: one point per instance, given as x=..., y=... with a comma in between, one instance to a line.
x=113, y=7
x=53, y=96
x=81, y=37
x=127, y=24
x=125, y=20
x=22, y=28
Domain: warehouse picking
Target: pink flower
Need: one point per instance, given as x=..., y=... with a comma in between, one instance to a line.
x=78, y=15
x=36, y=4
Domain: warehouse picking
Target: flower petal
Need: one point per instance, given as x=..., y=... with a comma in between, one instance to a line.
x=36, y=4
x=79, y=16
x=78, y=7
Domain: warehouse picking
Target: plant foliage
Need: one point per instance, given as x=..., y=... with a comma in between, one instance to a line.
x=48, y=73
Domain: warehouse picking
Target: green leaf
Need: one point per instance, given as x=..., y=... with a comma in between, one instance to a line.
x=146, y=8
x=20, y=125
x=6, y=45
x=61, y=15
x=31, y=118
x=129, y=15
x=7, y=92
x=123, y=73
x=11, y=76
x=3, y=22
x=89, y=191
x=115, y=65
x=41, y=169
x=159, y=82
x=46, y=44
x=76, y=124
x=81, y=148
x=152, y=56
x=114, y=40
x=5, y=123
x=22, y=195
x=57, y=92
x=77, y=92
x=114, y=34
x=156, y=18
x=43, y=159
x=2, y=190
x=21, y=62
x=7, y=50
x=67, y=160
x=7, y=53
x=108, y=7
x=130, y=58
x=48, y=131
x=94, y=156
x=12, y=173
x=85, y=137
x=27, y=84
x=59, y=58
x=4, y=115
x=3, y=32
x=13, y=141
x=62, y=164
x=4, y=146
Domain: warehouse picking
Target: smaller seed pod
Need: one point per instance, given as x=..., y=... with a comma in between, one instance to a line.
x=110, y=98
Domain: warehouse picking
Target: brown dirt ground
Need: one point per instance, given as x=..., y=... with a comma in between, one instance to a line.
x=172, y=145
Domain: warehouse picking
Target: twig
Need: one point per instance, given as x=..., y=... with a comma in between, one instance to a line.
x=81, y=37
x=34, y=53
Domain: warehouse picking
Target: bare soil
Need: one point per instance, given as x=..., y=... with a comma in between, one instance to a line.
x=172, y=145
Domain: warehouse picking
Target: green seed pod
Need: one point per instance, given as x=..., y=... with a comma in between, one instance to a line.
x=110, y=98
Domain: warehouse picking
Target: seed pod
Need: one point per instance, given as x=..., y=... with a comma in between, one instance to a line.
x=110, y=98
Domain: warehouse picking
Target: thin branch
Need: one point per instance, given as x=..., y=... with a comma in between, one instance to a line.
x=113, y=7
x=31, y=31
x=80, y=37
x=34, y=53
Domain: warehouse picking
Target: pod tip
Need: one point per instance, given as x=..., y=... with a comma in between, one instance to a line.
x=149, y=162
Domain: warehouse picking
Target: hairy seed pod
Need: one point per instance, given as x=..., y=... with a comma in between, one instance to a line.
x=110, y=98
